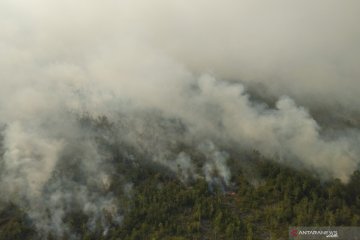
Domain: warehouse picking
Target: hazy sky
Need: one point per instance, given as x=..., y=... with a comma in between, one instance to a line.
x=303, y=48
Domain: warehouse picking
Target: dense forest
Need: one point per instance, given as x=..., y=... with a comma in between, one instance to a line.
x=262, y=200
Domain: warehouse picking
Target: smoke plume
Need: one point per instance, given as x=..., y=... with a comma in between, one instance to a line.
x=82, y=81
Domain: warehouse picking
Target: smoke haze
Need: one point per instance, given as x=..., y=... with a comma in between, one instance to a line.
x=242, y=74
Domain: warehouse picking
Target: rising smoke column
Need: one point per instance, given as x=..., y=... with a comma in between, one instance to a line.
x=165, y=74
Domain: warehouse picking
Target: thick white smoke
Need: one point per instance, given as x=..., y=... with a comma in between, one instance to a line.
x=164, y=73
